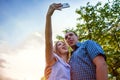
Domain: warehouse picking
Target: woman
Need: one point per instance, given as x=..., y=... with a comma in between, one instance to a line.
x=57, y=56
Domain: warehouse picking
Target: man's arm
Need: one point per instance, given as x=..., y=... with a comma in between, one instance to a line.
x=101, y=68
x=96, y=53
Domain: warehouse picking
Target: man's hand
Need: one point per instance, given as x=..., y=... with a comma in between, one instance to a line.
x=47, y=72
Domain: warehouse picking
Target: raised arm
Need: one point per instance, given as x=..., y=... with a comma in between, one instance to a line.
x=48, y=33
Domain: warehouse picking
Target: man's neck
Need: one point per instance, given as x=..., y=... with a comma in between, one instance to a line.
x=74, y=47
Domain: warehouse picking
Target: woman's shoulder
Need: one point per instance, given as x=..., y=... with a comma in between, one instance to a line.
x=53, y=61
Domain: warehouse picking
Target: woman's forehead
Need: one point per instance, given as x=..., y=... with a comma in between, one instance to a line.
x=60, y=42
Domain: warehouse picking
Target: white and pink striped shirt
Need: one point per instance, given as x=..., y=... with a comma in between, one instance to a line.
x=60, y=70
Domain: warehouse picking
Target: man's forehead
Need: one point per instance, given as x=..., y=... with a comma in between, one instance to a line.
x=68, y=33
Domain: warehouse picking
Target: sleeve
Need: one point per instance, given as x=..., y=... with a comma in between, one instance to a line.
x=94, y=49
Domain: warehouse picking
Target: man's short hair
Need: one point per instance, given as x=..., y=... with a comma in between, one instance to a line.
x=72, y=32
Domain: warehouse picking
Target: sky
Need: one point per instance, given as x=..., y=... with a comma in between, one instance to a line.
x=22, y=25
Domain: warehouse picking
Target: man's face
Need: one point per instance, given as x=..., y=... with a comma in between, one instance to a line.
x=71, y=38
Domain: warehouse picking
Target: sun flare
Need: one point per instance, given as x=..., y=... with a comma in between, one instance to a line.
x=25, y=62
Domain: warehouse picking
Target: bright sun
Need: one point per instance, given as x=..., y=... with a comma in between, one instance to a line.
x=27, y=61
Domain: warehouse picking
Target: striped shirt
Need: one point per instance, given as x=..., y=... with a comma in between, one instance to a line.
x=81, y=62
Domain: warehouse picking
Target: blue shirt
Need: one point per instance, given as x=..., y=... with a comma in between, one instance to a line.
x=81, y=62
x=60, y=70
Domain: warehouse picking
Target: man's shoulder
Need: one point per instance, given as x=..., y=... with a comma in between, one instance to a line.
x=89, y=42
x=86, y=41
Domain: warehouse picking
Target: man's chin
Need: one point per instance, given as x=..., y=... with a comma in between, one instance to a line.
x=72, y=45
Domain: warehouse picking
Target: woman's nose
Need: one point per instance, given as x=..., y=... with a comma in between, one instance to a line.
x=63, y=44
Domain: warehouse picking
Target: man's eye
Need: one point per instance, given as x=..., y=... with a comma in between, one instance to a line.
x=66, y=37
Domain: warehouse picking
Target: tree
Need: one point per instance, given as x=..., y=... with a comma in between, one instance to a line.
x=102, y=24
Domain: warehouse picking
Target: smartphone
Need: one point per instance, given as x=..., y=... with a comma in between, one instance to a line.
x=64, y=5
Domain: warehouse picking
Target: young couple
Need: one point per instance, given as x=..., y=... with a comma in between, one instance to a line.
x=87, y=61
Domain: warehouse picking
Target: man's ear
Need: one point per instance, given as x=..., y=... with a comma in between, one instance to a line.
x=77, y=37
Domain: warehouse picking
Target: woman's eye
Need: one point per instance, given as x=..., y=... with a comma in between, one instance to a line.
x=59, y=44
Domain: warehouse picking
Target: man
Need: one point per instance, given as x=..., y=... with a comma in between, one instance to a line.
x=87, y=59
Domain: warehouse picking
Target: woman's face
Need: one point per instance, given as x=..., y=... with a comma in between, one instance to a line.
x=62, y=47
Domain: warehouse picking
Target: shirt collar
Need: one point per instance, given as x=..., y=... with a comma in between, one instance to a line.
x=78, y=44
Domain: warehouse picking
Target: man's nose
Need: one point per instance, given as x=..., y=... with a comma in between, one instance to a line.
x=69, y=37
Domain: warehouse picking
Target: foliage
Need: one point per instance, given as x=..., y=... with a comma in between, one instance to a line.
x=102, y=24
